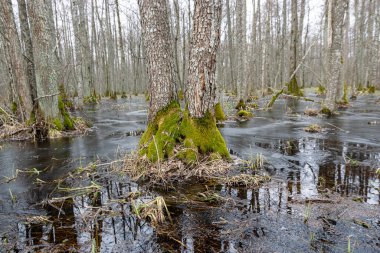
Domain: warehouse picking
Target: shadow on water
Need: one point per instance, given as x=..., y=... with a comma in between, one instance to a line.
x=324, y=193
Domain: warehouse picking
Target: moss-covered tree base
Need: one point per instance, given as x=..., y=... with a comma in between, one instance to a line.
x=293, y=88
x=175, y=134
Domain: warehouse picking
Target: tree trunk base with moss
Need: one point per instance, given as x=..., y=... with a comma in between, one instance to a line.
x=293, y=88
x=174, y=134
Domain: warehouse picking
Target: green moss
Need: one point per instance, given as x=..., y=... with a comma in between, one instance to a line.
x=204, y=134
x=326, y=111
x=293, y=88
x=274, y=98
x=189, y=153
x=92, y=99
x=180, y=95
x=241, y=105
x=68, y=123
x=32, y=119
x=14, y=107
x=173, y=127
x=371, y=89
x=321, y=90
x=244, y=114
x=254, y=105
x=219, y=114
x=345, y=94
x=57, y=123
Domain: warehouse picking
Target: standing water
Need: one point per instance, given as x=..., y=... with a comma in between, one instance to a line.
x=323, y=195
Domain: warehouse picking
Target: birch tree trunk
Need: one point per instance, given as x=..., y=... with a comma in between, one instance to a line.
x=157, y=43
x=336, y=11
x=201, y=85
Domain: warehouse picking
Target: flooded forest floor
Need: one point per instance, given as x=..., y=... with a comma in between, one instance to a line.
x=71, y=195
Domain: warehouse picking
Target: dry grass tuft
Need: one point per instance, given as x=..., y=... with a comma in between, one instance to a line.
x=312, y=112
x=154, y=210
x=314, y=128
x=165, y=173
x=247, y=180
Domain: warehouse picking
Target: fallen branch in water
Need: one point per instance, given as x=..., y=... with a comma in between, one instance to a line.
x=274, y=98
x=302, y=98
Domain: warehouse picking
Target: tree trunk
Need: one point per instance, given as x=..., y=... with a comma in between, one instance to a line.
x=231, y=54
x=15, y=61
x=156, y=37
x=293, y=85
x=201, y=86
x=336, y=13
x=28, y=46
x=44, y=59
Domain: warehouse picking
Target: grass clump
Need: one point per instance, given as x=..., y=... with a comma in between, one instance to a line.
x=241, y=105
x=92, y=99
x=314, y=128
x=153, y=210
x=209, y=196
x=14, y=107
x=174, y=129
x=326, y=111
x=244, y=114
x=321, y=90
x=256, y=163
x=371, y=89
x=246, y=180
x=181, y=96
x=312, y=112
x=219, y=113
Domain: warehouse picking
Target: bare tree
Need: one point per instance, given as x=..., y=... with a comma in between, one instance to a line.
x=336, y=12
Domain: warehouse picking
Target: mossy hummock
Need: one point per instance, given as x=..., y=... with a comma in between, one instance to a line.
x=241, y=105
x=244, y=114
x=293, y=88
x=174, y=133
x=219, y=113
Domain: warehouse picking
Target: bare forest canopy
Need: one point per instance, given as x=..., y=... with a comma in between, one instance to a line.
x=98, y=47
